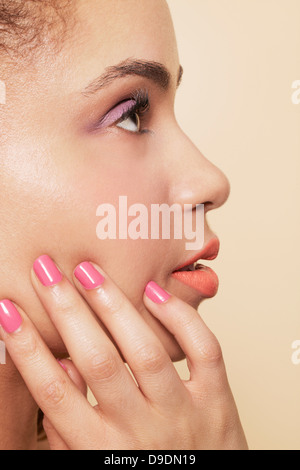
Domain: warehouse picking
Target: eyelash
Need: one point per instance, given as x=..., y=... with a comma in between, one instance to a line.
x=139, y=105
x=141, y=108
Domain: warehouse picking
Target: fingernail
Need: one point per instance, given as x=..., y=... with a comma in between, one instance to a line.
x=156, y=293
x=88, y=276
x=62, y=364
x=47, y=271
x=10, y=319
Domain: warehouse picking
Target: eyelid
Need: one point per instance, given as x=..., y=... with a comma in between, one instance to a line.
x=116, y=113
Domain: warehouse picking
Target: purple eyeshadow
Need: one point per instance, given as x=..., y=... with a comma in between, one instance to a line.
x=115, y=114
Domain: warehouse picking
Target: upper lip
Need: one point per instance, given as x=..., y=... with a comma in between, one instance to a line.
x=209, y=252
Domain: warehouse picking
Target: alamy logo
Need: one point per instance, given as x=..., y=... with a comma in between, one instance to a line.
x=296, y=94
x=2, y=353
x=296, y=354
x=160, y=222
x=2, y=92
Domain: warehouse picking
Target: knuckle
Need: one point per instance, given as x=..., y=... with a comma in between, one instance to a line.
x=27, y=346
x=66, y=303
x=115, y=304
x=184, y=320
x=66, y=308
x=150, y=357
x=53, y=392
x=209, y=351
x=102, y=366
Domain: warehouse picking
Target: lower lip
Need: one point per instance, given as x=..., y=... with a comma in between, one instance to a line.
x=204, y=280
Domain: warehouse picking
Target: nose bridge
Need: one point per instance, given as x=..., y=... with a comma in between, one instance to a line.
x=194, y=179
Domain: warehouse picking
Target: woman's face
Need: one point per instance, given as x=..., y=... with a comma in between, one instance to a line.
x=64, y=151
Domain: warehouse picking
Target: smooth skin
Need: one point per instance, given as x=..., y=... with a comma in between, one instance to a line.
x=157, y=410
x=55, y=171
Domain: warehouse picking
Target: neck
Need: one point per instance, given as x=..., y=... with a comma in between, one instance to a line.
x=18, y=411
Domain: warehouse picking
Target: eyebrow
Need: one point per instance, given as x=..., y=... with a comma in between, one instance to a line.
x=154, y=71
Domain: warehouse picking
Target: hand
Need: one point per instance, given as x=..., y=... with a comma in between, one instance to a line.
x=155, y=411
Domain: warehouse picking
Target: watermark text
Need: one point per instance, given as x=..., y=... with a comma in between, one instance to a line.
x=296, y=354
x=2, y=92
x=2, y=353
x=296, y=93
x=160, y=222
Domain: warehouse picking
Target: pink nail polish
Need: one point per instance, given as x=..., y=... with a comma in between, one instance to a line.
x=62, y=365
x=156, y=293
x=46, y=271
x=88, y=276
x=10, y=319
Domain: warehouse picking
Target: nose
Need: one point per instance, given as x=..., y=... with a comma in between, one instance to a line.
x=193, y=178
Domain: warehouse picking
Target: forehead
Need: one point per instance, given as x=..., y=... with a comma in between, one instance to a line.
x=100, y=34
x=109, y=32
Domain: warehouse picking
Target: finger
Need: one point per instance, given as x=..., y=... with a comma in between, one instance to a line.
x=74, y=374
x=199, y=344
x=143, y=352
x=55, y=441
x=59, y=399
x=93, y=353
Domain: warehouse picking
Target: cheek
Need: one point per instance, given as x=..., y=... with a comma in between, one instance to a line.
x=130, y=263
x=50, y=208
x=101, y=179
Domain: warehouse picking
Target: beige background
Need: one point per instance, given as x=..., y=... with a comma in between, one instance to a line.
x=240, y=59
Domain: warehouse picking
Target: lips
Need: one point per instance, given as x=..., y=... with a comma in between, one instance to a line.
x=209, y=252
x=198, y=276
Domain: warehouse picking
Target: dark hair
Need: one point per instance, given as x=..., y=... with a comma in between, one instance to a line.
x=25, y=24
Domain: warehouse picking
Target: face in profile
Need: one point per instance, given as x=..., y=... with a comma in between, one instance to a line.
x=84, y=126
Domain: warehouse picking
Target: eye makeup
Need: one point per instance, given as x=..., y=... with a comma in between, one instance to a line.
x=137, y=104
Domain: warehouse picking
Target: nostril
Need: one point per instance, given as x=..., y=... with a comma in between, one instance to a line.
x=207, y=203
x=207, y=206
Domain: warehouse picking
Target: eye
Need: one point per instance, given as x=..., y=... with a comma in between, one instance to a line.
x=132, y=123
x=132, y=118
x=128, y=114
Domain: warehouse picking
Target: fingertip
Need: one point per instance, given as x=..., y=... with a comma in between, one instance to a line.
x=10, y=317
x=88, y=275
x=156, y=293
x=60, y=362
x=73, y=373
